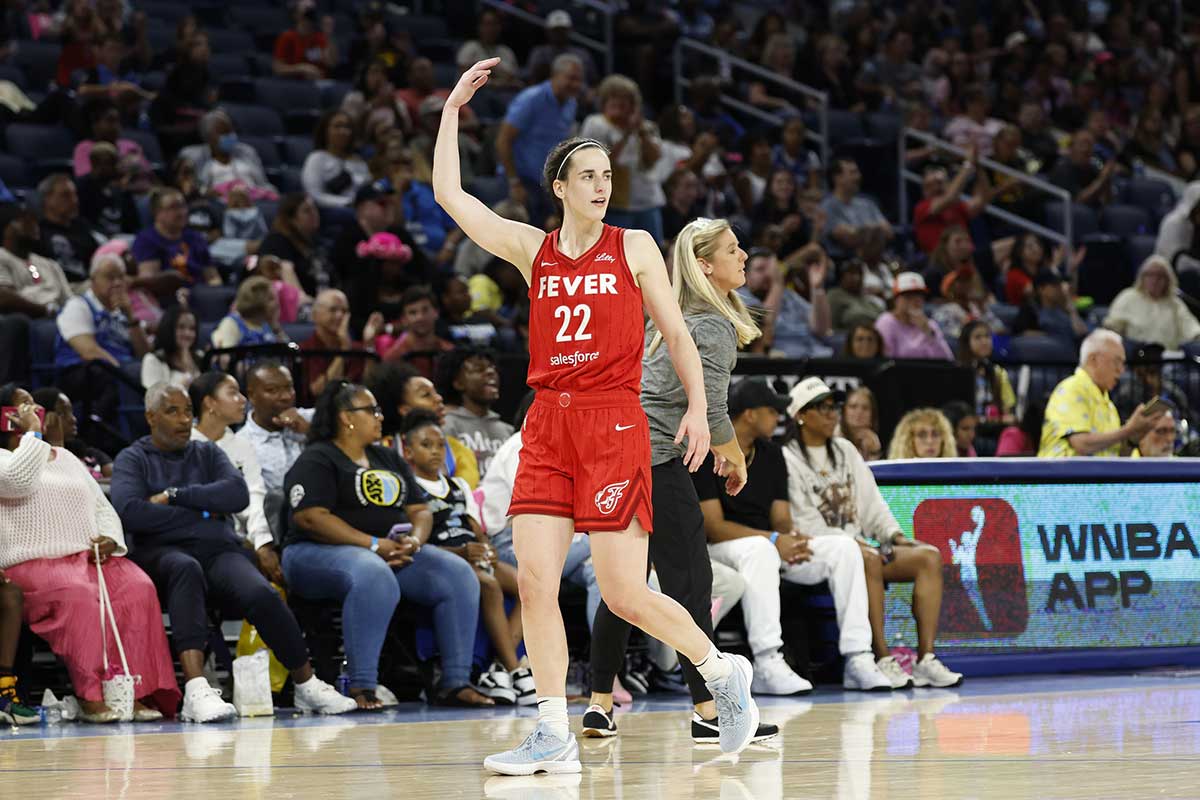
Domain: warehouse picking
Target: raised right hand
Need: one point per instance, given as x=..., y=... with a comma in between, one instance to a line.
x=26, y=418
x=470, y=82
x=1139, y=423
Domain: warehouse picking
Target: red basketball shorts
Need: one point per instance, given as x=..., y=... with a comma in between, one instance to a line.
x=586, y=457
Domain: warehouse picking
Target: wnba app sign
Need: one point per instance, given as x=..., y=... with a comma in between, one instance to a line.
x=984, y=575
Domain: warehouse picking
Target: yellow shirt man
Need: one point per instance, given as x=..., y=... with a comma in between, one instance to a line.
x=1077, y=405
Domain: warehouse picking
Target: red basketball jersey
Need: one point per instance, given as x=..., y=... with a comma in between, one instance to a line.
x=585, y=318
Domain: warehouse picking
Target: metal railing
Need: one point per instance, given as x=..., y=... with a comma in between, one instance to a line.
x=819, y=98
x=1066, y=237
x=607, y=12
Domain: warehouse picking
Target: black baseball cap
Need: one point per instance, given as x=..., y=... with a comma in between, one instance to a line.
x=373, y=191
x=755, y=393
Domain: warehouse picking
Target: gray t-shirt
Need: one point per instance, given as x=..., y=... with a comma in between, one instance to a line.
x=663, y=397
x=483, y=435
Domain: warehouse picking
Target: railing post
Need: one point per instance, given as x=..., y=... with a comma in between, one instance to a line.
x=901, y=168
x=824, y=124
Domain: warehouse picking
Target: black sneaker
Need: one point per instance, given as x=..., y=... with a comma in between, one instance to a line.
x=662, y=681
x=705, y=731
x=598, y=723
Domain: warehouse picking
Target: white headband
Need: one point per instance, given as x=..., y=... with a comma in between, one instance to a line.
x=587, y=143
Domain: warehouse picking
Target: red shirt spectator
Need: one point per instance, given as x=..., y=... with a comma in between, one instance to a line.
x=942, y=206
x=929, y=226
x=1017, y=285
x=331, y=318
x=293, y=47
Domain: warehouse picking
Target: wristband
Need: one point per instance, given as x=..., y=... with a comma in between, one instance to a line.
x=374, y=544
x=774, y=537
x=38, y=434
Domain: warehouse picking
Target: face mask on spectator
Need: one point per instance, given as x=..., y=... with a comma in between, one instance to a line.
x=227, y=142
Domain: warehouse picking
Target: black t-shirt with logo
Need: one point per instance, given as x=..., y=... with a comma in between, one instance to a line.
x=767, y=481
x=371, y=500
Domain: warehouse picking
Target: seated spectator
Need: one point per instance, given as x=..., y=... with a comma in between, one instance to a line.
x=104, y=122
x=750, y=182
x=1088, y=184
x=334, y=171
x=275, y=427
x=779, y=57
x=1022, y=439
x=1081, y=419
x=941, y=207
x=401, y=390
x=879, y=273
x=378, y=39
x=963, y=303
x=923, y=433
x=419, y=343
x=995, y=400
x=1050, y=311
x=1007, y=192
x=104, y=197
x=1037, y=134
x=637, y=197
x=1029, y=257
x=293, y=239
x=389, y=274
x=376, y=97
x=955, y=253
x=964, y=423
x=499, y=296
x=1176, y=240
x=754, y=533
x=457, y=528
x=793, y=154
x=243, y=227
x=471, y=259
x=1148, y=383
x=473, y=160
x=56, y=520
x=223, y=162
x=358, y=537
x=254, y=318
x=973, y=129
x=891, y=77
x=431, y=227
x=779, y=206
x=469, y=381
x=105, y=78
x=303, y=51
x=860, y=423
x=833, y=496
x=189, y=89
x=98, y=326
x=456, y=322
x=331, y=331
x=66, y=237
x=422, y=84
x=1151, y=310
x=29, y=284
x=1187, y=150
x=1149, y=145
x=61, y=430
x=168, y=253
x=792, y=324
x=683, y=191
x=219, y=404
x=848, y=214
x=906, y=330
x=1159, y=441
x=558, y=42
x=488, y=44
x=175, y=358
x=173, y=494
x=849, y=306
x=834, y=75
x=863, y=342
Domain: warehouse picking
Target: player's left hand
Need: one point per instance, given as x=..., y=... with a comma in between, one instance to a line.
x=694, y=427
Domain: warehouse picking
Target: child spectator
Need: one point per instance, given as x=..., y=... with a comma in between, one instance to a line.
x=994, y=397
x=963, y=422
x=470, y=382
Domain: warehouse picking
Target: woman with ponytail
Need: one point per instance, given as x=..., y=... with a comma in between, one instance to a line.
x=707, y=269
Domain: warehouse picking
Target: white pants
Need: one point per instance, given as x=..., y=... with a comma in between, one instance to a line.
x=727, y=587
x=836, y=559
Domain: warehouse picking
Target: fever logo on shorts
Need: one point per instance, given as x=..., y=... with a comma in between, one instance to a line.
x=608, y=497
x=379, y=488
x=981, y=556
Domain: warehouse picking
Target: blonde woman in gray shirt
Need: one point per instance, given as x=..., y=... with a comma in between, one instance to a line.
x=707, y=269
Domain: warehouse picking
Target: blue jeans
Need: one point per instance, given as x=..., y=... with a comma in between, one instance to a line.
x=370, y=590
x=577, y=569
x=649, y=219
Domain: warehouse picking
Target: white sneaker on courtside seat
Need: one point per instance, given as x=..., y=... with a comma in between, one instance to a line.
x=315, y=696
x=931, y=672
x=772, y=675
x=895, y=673
x=203, y=703
x=862, y=674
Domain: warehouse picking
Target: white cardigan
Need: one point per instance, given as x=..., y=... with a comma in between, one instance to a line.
x=845, y=502
x=251, y=522
x=50, y=508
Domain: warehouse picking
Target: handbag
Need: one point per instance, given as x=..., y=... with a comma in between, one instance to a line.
x=118, y=686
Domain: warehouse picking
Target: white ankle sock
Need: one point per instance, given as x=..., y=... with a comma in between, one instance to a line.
x=552, y=712
x=195, y=684
x=713, y=667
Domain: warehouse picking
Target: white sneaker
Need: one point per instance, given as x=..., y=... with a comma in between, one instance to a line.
x=315, y=696
x=496, y=683
x=861, y=674
x=931, y=672
x=772, y=675
x=522, y=684
x=203, y=703
x=895, y=673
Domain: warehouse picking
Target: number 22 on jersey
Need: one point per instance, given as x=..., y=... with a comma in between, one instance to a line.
x=566, y=313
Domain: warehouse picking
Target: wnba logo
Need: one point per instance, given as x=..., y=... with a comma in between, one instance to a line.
x=608, y=497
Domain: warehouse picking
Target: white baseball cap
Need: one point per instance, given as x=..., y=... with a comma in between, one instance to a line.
x=909, y=282
x=558, y=19
x=809, y=391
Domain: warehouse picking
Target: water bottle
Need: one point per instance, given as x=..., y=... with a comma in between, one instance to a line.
x=50, y=715
x=343, y=680
x=905, y=656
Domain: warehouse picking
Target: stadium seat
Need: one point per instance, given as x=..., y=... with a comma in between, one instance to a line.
x=289, y=180
x=287, y=95
x=39, y=60
x=259, y=19
x=254, y=120
x=149, y=144
x=228, y=65
x=43, y=145
x=1124, y=220
x=43, y=335
x=1140, y=247
x=1106, y=268
x=230, y=41
x=211, y=303
x=490, y=189
x=10, y=72
x=268, y=151
x=844, y=126
x=1005, y=313
x=421, y=27
x=13, y=172
x=334, y=92
x=299, y=331
x=269, y=209
x=1152, y=195
x=884, y=126
x=296, y=149
x=1034, y=349
x=1084, y=220
x=237, y=89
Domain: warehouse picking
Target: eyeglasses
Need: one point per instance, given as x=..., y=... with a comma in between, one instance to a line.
x=828, y=407
x=376, y=410
x=927, y=435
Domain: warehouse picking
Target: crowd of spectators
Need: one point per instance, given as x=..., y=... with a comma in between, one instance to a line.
x=183, y=218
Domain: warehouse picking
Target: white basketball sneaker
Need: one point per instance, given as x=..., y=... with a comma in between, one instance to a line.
x=772, y=675
x=861, y=674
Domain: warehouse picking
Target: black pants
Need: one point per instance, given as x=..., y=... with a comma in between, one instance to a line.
x=14, y=348
x=679, y=552
x=226, y=574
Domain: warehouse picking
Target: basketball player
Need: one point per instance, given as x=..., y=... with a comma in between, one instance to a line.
x=586, y=457
x=707, y=269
